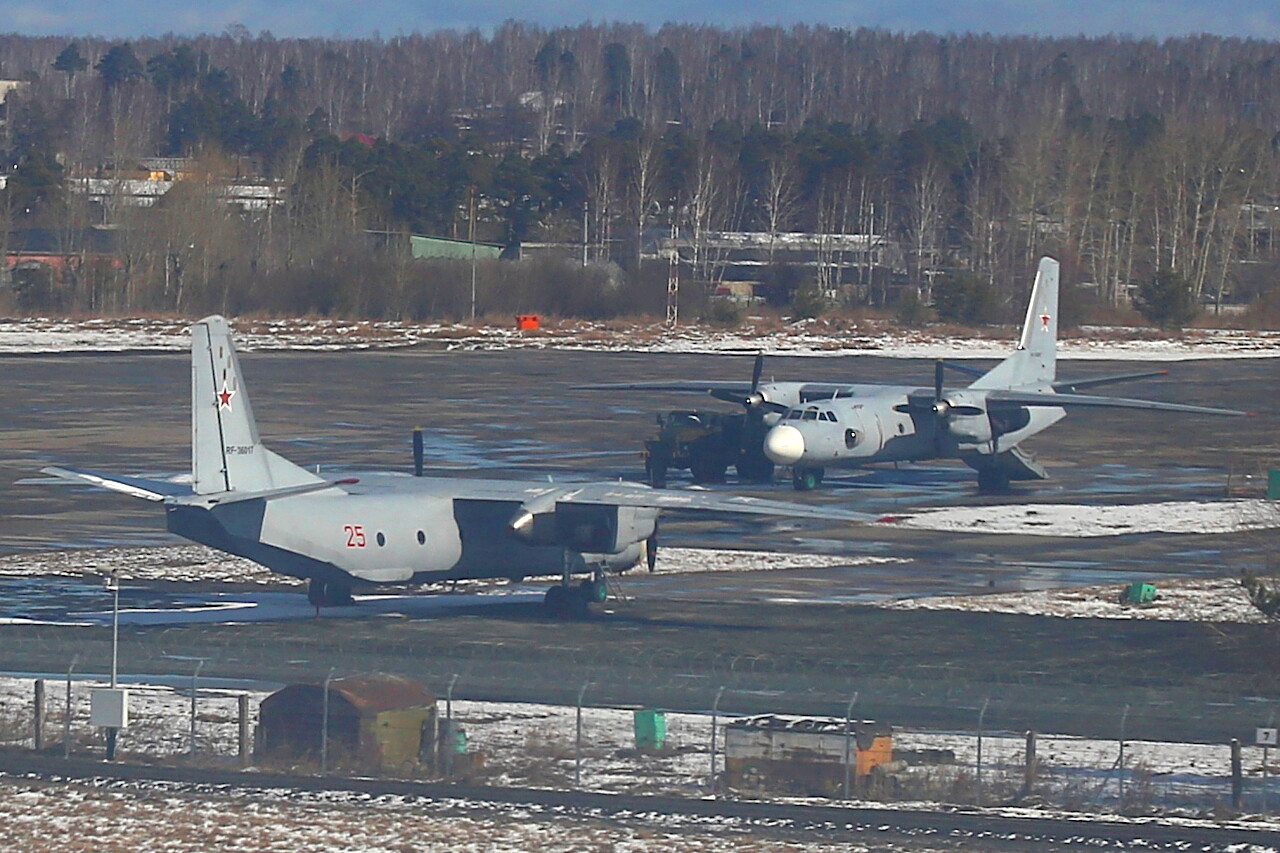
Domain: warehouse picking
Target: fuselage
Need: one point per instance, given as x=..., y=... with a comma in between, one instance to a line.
x=388, y=528
x=868, y=424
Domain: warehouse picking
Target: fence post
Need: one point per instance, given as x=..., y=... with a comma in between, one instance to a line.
x=242, y=703
x=981, y=715
x=1124, y=719
x=38, y=722
x=447, y=742
x=1029, y=773
x=577, y=739
x=715, y=723
x=66, y=721
x=848, y=725
x=324, y=725
x=1237, y=777
x=195, y=683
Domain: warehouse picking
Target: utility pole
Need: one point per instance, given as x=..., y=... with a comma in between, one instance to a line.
x=472, y=238
x=673, y=280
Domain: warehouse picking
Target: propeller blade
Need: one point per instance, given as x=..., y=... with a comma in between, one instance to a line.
x=939, y=368
x=756, y=371
x=651, y=549
x=729, y=396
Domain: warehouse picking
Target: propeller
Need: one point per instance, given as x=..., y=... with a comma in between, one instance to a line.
x=940, y=407
x=944, y=409
x=753, y=401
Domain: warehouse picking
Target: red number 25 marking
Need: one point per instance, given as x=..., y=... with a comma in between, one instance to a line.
x=355, y=535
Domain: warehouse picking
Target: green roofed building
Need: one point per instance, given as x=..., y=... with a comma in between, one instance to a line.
x=429, y=248
x=442, y=247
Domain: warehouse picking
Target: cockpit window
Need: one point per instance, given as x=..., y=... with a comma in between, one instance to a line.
x=810, y=414
x=795, y=415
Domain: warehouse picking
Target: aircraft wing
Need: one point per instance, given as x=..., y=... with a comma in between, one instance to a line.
x=151, y=490
x=693, y=386
x=638, y=495
x=1068, y=401
x=1069, y=386
x=808, y=391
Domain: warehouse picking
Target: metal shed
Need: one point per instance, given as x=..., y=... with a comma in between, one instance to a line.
x=379, y=722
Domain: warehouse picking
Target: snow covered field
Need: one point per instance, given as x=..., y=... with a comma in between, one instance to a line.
x=811, y=337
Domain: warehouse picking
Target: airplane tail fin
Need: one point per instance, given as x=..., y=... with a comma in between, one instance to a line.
x=226, y=453
x=1035, y=363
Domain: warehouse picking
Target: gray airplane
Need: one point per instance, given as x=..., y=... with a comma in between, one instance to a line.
x=388, y=528
x=831, y=425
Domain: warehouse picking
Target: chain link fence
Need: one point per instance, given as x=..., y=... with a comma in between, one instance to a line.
x=585, y=741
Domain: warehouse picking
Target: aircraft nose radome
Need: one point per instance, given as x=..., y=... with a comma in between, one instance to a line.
x=784, y=445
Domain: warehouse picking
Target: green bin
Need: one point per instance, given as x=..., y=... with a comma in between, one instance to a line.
x=651, y=729
x=1139, y=593
x=1273, y=485
x=453, y=737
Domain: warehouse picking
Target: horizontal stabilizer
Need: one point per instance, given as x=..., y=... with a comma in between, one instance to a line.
x=283, y=492
x=1069, y=401
x=151, y=490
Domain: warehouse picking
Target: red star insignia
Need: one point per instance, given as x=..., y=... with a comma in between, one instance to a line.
x=1044, y=322
x=224, y=398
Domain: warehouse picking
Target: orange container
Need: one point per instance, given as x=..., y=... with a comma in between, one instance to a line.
x=528, y=321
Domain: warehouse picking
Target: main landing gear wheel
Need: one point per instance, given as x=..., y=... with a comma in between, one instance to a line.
x=806, y=479
x=655, y=471
x=322, y=594
x=564, y=602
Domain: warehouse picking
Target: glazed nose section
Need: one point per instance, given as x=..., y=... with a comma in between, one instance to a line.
x=784, y=444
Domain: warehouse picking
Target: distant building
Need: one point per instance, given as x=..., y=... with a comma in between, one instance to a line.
x=145, y=192
x=844, y=265
x=429, y=248
x=56, y=254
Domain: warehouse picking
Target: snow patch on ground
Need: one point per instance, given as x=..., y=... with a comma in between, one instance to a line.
x=804, y=338
x=1079, y=520
x=1182, y=600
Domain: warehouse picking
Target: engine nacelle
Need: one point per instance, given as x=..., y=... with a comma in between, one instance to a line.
x=968, y=422
x=586, y=528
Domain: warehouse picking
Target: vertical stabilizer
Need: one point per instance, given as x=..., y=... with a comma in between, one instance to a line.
x=226, y=453
x=1035, y=363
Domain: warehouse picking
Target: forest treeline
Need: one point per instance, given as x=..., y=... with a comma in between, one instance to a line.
x=1132, y=161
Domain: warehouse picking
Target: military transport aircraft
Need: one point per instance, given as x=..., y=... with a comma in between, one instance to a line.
x=823, y=425
x=385, y=528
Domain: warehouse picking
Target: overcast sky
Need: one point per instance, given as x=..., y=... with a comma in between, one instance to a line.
x=352, y=18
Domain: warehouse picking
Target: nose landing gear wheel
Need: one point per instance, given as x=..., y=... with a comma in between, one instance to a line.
x=806, y=479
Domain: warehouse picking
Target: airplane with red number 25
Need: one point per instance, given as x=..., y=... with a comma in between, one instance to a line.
x=392, y=528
